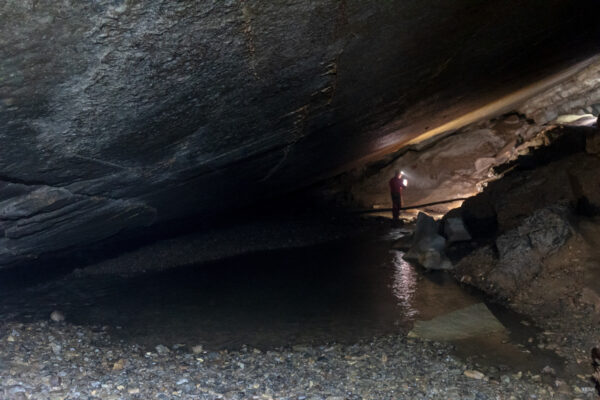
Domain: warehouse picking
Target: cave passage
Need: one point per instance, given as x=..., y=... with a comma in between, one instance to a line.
x=194, y=200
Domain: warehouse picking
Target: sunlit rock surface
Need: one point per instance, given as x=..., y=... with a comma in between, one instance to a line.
x=120, y=114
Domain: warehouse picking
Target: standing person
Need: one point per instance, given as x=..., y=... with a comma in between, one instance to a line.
x=397, y=183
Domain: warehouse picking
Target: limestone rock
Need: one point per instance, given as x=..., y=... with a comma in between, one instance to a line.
x=428, y=246
x=57, y=316
x=455, y=230
x=119, y=115
x=474, y=374
x=521, y=253
x=468, y=322
x=522, y=250
x=425, y=227
x=162, y=350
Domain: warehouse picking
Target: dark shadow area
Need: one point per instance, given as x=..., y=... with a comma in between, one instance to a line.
x=301, y=205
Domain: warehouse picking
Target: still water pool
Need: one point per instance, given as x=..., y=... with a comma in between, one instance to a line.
x=343, y=291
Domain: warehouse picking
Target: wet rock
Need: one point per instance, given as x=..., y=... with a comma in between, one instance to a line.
x=57, y=316
x=474, y=374
x=119, y=364
x=162, y=350
x=432, y=259
x=425, y=227
x=455, y=230
x=403, y=243
x=427, y=247
x=198, y=349
x=468, y=322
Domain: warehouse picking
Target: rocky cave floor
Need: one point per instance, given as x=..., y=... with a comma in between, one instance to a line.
x=60, y=361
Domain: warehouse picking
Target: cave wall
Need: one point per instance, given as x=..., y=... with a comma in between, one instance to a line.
x=117, y=114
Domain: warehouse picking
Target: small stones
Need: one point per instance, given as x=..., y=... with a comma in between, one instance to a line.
x=56, y=348
x=474, y=374
x=162, y=350
x=57, y=316
x=119, y=365
x=548, y=370
x=55, y=381
x=386, y=367
x=198, y=349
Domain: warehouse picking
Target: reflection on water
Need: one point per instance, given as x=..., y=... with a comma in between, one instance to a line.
x=405, y=285
x=344, y=292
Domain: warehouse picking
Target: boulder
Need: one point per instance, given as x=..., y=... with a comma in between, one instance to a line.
x=475, y=320
x=427, y=247
x=433, y=259
x=425, y=227
x=479, y=215
x=455, y=230
x=521, y=253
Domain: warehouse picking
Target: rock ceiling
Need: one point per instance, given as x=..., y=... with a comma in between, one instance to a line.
x=117, y=114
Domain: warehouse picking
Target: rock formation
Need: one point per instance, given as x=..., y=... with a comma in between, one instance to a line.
x=117, y=114
x=542, y=250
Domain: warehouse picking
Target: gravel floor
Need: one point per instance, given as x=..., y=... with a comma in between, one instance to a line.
x=47, y=360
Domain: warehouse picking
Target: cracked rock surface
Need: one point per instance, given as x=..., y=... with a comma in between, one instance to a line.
x=117, y=114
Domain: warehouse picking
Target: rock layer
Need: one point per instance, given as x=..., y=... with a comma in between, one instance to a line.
x=458, y=164
x=117, y=114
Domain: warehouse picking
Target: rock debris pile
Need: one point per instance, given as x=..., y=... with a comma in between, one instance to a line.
x=61, y=361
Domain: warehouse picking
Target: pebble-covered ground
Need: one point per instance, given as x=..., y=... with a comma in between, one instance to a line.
x=49, y=360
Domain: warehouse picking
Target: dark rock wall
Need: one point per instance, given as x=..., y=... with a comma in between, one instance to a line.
x=115, y=114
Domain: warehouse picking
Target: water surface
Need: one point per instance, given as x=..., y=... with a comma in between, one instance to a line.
x=343, y=292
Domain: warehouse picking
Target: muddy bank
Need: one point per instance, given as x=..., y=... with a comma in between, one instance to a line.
x=59, y=361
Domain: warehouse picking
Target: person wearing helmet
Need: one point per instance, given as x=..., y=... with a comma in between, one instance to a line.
x=397, y=183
